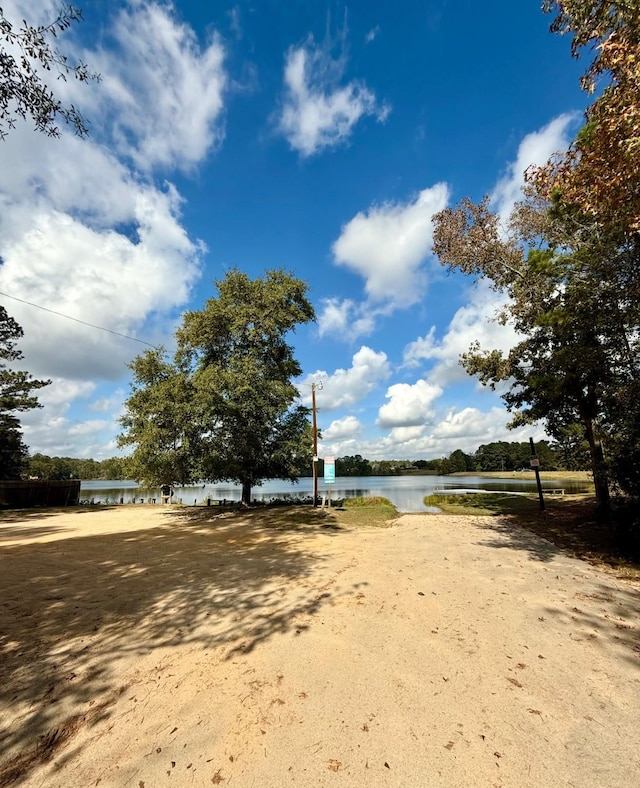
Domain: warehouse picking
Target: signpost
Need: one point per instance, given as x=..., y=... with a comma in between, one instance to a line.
x=535, y=464
x=329, y=475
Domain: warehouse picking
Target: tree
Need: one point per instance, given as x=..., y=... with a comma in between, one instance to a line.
x=353, y=466
x=160, y=421
x=224, y=409
x=568, y=295
x=24, y=53
x=16, y=387
x=599, y=174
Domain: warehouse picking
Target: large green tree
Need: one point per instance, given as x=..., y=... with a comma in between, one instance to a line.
x=25, y=53
x=16, y=395
x=567, y=295
x=225, y=407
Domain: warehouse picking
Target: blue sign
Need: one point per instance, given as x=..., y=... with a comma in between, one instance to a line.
x=329, y=470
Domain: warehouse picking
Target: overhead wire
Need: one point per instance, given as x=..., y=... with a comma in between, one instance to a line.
x=77, y=320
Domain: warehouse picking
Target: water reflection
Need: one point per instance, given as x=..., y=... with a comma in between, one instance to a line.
x=405, y=492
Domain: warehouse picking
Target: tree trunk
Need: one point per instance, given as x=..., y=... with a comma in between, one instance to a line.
x=246, y=492
x=598, y=466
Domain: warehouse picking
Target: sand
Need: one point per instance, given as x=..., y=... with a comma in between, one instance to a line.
x=158, y=646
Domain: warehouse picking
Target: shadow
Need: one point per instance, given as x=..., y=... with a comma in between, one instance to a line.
x=511, y=534
x=568, y=526
x=612, y=620
x=609, y=613
x=70, y=608
x=46, y=512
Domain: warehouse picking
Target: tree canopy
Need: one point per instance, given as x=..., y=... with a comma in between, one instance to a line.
x=16, y=395
x=569, y=296
x=599, y=174
x=26, y=52
x=225, y=407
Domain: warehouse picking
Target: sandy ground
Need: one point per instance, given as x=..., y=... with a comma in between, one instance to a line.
x=149, y=646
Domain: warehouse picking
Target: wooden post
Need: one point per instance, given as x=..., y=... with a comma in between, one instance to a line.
x=535, y=464
x=315, y=444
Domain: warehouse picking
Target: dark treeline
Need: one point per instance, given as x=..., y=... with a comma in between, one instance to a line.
x=497, y=456
x=570, y=455
x=40, y=466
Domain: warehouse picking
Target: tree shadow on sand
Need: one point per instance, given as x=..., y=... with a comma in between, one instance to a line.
x=71, y=608
x=614, y=617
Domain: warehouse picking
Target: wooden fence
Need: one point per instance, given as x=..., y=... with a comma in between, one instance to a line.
x=22, y=495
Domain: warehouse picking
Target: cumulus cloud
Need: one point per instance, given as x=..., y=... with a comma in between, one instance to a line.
x=388, y=245
x=319, y=111
x=345, y=318
x=475, y=321
x=95, y=275
x=452, y=429
x=535, y=149
x=51, y=430
x=85, y=229
x=345, y=387
x=348, y=427
x=410, y=405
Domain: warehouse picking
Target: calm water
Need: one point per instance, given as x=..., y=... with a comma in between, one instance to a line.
x=405, y=492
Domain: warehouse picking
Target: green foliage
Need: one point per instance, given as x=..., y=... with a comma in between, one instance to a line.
x=353, y=466
x=373, y=512
x=43, y=467
x=16, y=395
x=504, y=456
x=571, y=295
x=26, y=52
x=483, y=503
x=224, y=408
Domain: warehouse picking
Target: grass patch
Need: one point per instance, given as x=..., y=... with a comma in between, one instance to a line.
x=483, y=503
x=374, y=512
x=570, y=523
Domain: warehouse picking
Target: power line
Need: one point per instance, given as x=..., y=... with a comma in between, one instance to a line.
x=77, y=320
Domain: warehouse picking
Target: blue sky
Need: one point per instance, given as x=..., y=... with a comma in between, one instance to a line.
x=319, y=137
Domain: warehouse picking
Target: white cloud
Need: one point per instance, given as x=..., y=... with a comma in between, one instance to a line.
x=345, y=387
x=345, y=319
x=472, y=322
x=465, y=429
x=372, y=34
x=535, y=149
x=348, y=427
x=409, y=405
x=388, y=245
x=400, y=435
x=96, y=276
x=84, y=228
x=318, y=112
x=112, y=403
x=161, y=92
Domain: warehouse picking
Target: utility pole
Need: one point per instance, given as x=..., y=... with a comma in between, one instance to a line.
x=314, y=387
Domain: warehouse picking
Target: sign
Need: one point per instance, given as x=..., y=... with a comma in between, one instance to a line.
x=329, y=470
x=535, y=462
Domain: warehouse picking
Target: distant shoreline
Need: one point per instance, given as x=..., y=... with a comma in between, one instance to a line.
x=577, y=476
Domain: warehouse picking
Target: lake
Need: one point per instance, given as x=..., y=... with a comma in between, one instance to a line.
x=405, y=492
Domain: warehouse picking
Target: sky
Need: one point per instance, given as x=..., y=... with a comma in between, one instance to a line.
x=318, y=137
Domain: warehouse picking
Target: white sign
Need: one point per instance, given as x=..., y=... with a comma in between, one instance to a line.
x=329, y=470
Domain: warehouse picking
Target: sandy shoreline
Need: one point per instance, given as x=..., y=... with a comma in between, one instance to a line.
x=156, y=646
